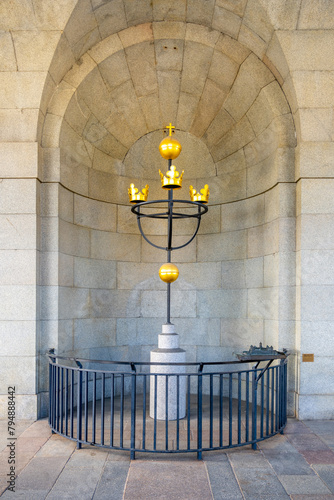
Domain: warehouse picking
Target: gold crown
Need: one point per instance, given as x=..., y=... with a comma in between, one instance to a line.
x=134, y=194
x=202, y=196
x=172, y=179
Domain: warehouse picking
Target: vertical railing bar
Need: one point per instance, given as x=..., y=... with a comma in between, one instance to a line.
x=102, y=406
x=221, y=395
x=247, y=407
x=94, y=409
x=230, y=418
x=254, y=408
x=79, y=409
x=211, y=410
x=239, y=408
x=262, y=407
x=280, y=418
x=188, y=412
x=199, y=416
x=57, y=398
x=285, y=393
x=166, y=410
x=112, y=408
x=72, y=403
x=86, y=406
x=177, y=412
x=122, y=411
x=268, y=402
x=61, y=400
x=155, y=414
x=144, y=411
x=133, y=415
x=66, y=401
x=272, y=400
x=50, y=393
x=277, y=407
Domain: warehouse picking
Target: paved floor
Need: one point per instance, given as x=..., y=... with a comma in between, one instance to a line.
x=297, y=465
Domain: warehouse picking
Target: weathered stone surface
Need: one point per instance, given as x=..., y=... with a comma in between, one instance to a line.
x=34, y=49
x=308, y=50
x=111, y=18
x=226, y=21
x=243, y=214
x=252, y=41
x=136, y=34
x=210, y=103
x=235, y=139
x=315, y=16
x=168, y=10
x=19, y=125
x=197, y=60
x=256, y=19
x=200, y=12
x=7, y=53
x=141, y=60
x=252, y=75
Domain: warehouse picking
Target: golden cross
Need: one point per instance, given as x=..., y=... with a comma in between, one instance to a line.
x=170, y=126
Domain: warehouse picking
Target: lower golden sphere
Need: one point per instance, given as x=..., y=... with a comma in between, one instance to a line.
x=170, y=148
x=168, y=272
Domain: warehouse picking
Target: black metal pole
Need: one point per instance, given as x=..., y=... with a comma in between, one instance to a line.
x=169, y=240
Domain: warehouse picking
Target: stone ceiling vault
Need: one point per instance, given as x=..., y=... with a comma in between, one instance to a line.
x=108, y=110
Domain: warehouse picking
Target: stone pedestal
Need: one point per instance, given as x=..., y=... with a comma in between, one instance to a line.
x=168, y=351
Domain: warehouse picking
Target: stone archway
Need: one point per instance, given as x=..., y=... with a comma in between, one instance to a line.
x=101, y=130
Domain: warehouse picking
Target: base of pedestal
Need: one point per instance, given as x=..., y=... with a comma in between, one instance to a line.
x=168, y=351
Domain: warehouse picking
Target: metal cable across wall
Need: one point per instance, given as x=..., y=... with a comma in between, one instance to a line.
x=105, y=404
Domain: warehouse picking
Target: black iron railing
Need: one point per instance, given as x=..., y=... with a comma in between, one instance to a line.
x=109, y=406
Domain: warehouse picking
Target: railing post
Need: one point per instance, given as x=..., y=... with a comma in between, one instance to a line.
x=79, y=409
x=254, y=409
x=199, y=415
x=133, y=416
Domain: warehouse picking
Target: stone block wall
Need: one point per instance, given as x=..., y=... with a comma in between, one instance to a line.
x=87, y=88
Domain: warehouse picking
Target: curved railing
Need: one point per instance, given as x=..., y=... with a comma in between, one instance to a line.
x=106, y=404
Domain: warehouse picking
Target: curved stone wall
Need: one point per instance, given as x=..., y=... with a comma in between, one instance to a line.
x=102, y=128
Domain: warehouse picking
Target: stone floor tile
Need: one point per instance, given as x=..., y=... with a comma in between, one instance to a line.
x=76, y=483
x=253, y=459
x=118, y=456
x=312, y=497
x=166, y=480
x=288, y=462
x=88, y=458
x=57, y=446
x=319, y=457
x=303, y=485
x=224, y=485
x=296, y=427
x=309, y=442
x=25, y=495
x=326, y=472
x=26, y=444
x=37, y=429
x=112, y=482
x=40, y=473
x=320, y=426
x=259, y=483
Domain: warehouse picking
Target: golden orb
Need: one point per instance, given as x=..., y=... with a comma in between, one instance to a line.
x=170, y=148
x=168, y=272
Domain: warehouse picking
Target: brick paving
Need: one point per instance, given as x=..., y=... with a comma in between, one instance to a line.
x=298, y=465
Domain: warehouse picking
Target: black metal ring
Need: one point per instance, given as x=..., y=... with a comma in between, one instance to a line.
x=136, y=209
